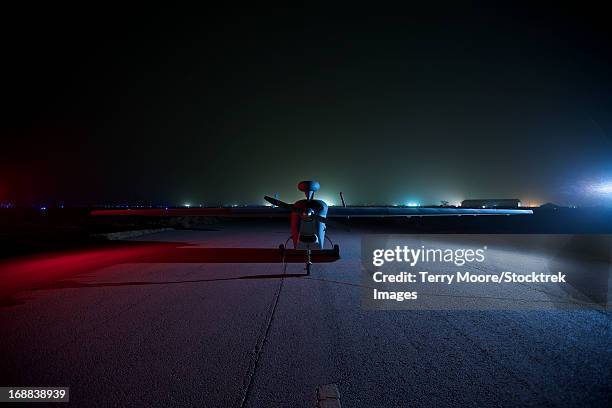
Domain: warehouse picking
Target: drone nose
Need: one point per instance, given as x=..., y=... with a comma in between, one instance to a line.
x=307, y=215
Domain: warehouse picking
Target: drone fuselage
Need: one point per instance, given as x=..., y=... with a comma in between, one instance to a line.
x=306, y=231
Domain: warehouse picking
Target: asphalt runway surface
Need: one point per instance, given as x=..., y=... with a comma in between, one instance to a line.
x=144, y=325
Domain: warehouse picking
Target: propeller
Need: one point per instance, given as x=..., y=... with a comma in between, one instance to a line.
x=291, y=207
x=279, y=203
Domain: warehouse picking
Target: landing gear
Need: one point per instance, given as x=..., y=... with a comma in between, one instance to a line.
x=281, y=250
x=334, y=252
x=308, y=262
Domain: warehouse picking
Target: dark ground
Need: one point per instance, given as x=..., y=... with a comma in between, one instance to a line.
x=125, y=324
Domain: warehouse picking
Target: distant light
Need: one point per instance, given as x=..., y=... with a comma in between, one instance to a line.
x=43, y=208
x=412, y=204
x=327, y=200
x=187, y=205
x=602, y=188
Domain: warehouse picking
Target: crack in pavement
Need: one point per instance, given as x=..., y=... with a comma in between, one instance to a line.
x=257, y=351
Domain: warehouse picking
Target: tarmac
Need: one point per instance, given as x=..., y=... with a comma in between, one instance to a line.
x=144, y=325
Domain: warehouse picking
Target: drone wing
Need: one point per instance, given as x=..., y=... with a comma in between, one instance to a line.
x=197, y=212
x=333, y=212
x=338, y=212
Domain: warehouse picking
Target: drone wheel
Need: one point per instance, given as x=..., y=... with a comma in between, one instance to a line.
x=281, y=251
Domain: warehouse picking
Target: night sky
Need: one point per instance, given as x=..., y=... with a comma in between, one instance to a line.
x=445, y=103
